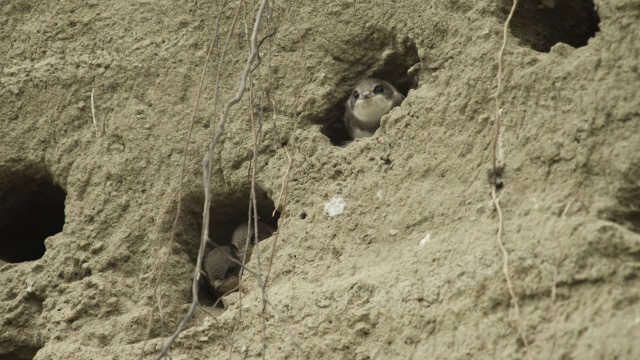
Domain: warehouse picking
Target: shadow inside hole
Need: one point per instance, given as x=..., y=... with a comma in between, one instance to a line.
x=24, y=352
x=31, y=210
x=226, y=214
x=542, y=24
x=394, y=68
x=207, y=296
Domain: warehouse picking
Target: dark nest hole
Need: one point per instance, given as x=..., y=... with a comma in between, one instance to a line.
x=24, y=352
x=31, y=210
x=226, y=213
x=394, y=68
x=24, y=348
x=540, y=24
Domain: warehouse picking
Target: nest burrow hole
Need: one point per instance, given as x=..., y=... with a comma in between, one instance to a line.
x=541, y=24
x=31, y=210
x=24, y=352
x=391, y=65
x=226, y=213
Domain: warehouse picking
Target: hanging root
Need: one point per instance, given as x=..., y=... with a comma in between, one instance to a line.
x=495, y=179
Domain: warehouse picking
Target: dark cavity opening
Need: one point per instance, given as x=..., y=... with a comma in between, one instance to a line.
x=540, y=24
x=393, y=66
x=226, y=214
x=31, y=210
x=25, y=352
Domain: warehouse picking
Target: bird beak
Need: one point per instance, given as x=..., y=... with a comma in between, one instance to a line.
x=366, y=94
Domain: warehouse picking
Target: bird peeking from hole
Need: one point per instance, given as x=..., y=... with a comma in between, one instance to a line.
x=222, y=264
x=369, y=101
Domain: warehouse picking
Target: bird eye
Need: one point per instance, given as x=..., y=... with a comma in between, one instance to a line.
x=355, y=95
x=231, y=271
x=378, y=89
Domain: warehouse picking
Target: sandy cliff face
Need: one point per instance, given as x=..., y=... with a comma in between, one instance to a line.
x=410, y=268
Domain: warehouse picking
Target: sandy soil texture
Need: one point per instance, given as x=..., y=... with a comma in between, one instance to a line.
x=388, y=247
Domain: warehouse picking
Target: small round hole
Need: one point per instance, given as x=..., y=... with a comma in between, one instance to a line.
x=31, y=210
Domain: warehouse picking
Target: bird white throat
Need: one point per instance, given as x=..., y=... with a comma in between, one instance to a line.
x=371, y=110
x=369, y=101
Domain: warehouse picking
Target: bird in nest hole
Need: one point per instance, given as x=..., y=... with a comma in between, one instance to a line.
x=369, y=101
x=222, y=264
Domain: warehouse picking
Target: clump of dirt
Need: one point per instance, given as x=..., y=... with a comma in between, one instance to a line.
x=97, y=99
